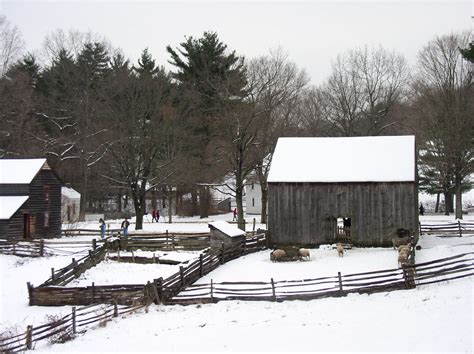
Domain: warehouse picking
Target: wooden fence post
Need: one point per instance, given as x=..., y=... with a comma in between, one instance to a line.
x=29, y=337
x=115, y=308
x=341, y=292
x=94, y=244
x=52, y=274
x=273, y=290
x=118, y=255
x=154, y=258
x=167, y=240
x=156, y=292
x=419, y=224
x=459, y=228
x=74, y=320
x=253, y=228
x=181, y=274
x=160, y=289
x=201, y=266
x=93, y=292
x=41, y=250
x=133, y=256
x=172, y=242
x=30, y=291
x=212, y=291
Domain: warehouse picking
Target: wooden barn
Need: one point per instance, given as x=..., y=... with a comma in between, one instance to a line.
x=30, y=199
x=325, y=190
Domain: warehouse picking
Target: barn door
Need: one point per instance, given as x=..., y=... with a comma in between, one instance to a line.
x=330, y=227
x=29, y=225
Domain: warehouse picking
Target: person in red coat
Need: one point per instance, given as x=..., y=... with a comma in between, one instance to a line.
x=153, y=215
x=235, y=214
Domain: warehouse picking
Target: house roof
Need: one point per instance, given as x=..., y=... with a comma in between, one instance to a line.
x=354, y=159
x=226, y=228
x=70, y=193
x=10, y=204
x=20, y=171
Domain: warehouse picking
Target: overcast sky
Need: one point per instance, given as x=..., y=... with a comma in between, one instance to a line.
x=312, y=32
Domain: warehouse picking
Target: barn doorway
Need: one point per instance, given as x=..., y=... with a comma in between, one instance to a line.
x=343, y=229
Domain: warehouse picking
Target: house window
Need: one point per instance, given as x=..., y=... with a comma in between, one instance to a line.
x=46, y=219
x=46, y=193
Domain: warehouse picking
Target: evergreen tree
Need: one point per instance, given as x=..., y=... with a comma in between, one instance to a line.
x=468, y=53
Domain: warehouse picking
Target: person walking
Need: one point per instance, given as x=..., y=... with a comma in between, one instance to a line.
x=124, y=227
x=157, y=215
x=422, y=209
x=102, y=228
x=235, y=214
x=153, y=215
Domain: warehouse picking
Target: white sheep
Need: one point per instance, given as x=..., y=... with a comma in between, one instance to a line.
x=404, y=247
x=402, y=258
x=340, y=250
x=304, y=253
x=277, y=255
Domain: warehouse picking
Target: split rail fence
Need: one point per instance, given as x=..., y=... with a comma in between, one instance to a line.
x=441, y=270
x=457, y=228
x=66, y=327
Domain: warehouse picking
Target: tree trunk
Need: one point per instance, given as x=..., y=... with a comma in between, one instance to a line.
x=203, y=202
x=437, y=202
x=119, y=201
x=194, y=201
x=451, y=202
x=84, y=197
x=458, y=198
x=263, y=217
x=153, y=198
x=170, y=200
x=446, y=203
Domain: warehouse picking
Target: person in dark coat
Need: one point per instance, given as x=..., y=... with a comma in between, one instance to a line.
x=153, y=215
x=157, y=215
x=422, y=209
x=124, y=227
x=102, y=228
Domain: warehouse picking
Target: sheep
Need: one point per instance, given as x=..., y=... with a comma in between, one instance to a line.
x=277, y=255
x=402, y=258
x=404, y=247
x=304, y=253
x=398, y=241
x=340, y=250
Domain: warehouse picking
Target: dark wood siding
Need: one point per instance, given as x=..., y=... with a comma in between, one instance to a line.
x=37, y=205
x=304, y=213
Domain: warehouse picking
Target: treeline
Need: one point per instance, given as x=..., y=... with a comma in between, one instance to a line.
x=112, y=127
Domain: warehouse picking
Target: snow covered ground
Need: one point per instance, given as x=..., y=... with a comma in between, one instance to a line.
x=432, y=318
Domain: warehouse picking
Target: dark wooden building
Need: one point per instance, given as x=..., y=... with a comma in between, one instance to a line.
x=224, y=233
x=30, y=199
x=325, y=190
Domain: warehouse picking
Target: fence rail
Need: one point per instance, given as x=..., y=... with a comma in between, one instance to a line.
x=64, y=328
x=457, y=228
x=338, y=285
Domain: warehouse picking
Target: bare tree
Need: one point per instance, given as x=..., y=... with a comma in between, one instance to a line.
x=444, y=104
x=362, y=89
x=11, y=44
x=275, y=87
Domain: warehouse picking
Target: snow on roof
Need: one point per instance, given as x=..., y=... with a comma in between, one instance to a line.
x=228, y=229
x=10, y=204
x=19, y=171
x=70, y=193
x=354, y=159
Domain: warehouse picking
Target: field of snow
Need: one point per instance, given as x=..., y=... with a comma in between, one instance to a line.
x=433, y=318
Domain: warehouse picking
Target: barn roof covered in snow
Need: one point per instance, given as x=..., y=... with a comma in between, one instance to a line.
x=354, y=159
x=20, y=171
x=70, y=193
x=10, y=204
x=226, y=228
